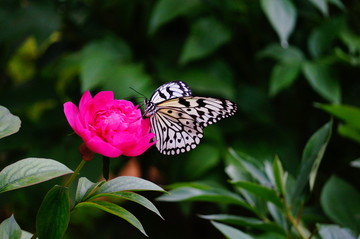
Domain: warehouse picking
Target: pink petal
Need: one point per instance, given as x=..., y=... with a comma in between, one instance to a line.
x=97, y=145
x=140, y=147
x=145, y=125
x=102, y=101
x=71, y=113
x=84, y=101
x=103, y=98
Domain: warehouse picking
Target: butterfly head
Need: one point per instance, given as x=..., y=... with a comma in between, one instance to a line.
x=149, y=108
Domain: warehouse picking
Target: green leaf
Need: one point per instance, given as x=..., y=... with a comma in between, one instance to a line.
x=322, y=38
x=196, y=194
x=128, y=183
x=248, y=222
x=85, y=189
x=322, y=80
x=241, y=167
x=351, y=40
x=350, y=114
x=206, y=79
x=234, y=168
x=252, y=166
x=349, y=131
x=98, y=59
x=115, y=210
x=340, y=202
x=311, y=158
x=30, y=171
x=282, y=16
x=314, y=151
x=355, y=163
x=218, y=195
x=286, y=56
x=351, y=59
x=282, y=77
x=279, y=176
x=9, y=229
x=9, y=123
x=322, y=5
x=26, y=235
x=134, y=197
x=122, y=76
x=334, y=232
x=231, y=232
x=263, y=192
x=278, y=216
x=54, y=213
x=166, y=10
x=206, y=36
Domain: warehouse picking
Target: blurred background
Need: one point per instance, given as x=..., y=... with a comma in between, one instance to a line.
x=275, y=59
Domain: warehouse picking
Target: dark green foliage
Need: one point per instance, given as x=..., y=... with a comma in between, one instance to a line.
x=54, y=214
x=274, y=58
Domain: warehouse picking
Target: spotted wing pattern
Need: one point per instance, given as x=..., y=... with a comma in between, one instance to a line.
x=178, y=122
x=170, y=90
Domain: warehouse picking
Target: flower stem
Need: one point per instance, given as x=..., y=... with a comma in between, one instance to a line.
x=106, y=167
x=76, y=172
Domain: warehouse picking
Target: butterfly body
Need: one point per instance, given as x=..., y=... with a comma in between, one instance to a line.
x=178, y=118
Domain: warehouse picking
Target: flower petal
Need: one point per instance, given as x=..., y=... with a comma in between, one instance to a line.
x=97, y=145
x=84, y=101
x=71, y=113
x=141, y=146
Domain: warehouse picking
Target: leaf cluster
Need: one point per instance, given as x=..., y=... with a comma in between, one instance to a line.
x=53, y=216
x=276, y=199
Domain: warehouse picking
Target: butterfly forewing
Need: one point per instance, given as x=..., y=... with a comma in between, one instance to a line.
x=178, y=123
x=169, y=91
x=205, y=110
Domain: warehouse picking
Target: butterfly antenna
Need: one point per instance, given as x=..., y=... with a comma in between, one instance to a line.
x=143, y=116
x=138, y=92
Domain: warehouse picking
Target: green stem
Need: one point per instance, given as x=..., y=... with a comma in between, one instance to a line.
x=106, y=167
x=300, y=230
x=33, y=236
x=75, y=174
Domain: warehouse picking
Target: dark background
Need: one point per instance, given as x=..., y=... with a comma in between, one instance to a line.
x=52, y=51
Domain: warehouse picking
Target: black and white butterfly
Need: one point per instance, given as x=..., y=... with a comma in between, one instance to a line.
x=177, y=118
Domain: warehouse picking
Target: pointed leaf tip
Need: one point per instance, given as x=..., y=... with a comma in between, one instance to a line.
x=9, y=229
x=9, y=123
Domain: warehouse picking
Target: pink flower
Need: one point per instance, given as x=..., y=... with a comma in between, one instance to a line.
x=109, y=127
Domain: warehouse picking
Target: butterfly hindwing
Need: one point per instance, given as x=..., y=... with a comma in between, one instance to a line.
x=173, y=134
x=178, y=122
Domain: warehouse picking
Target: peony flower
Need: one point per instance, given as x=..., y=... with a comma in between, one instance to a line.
x=108, y=126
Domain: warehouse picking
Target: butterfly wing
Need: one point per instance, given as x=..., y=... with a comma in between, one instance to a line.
x=170, y=90
x=178, y=123
x=174, y=135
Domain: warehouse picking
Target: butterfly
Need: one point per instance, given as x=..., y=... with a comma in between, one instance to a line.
x=177, y=118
